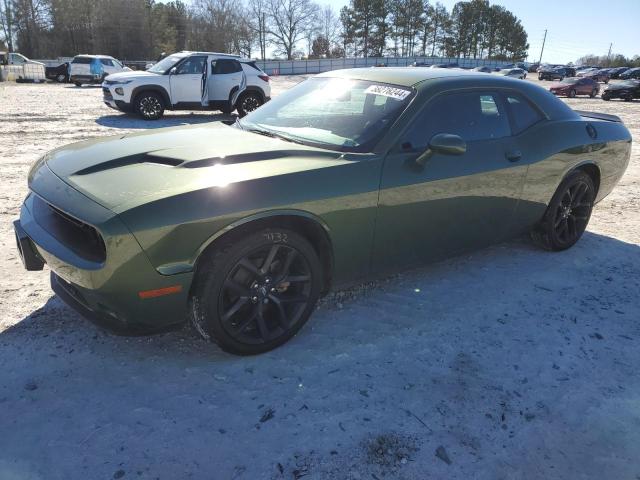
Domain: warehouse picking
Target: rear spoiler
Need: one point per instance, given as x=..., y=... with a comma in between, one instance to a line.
x=599, y=116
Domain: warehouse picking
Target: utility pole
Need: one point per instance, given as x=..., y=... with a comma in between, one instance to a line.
x=542, y=49
x=609, y=54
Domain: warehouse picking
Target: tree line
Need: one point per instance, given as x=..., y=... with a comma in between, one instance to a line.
x=143, y=29
x=606, y=61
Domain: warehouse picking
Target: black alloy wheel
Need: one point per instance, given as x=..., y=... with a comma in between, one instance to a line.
x=253, y=294
x=568, y=213
x=265, y=294
x=248, y=102
x=572, y=93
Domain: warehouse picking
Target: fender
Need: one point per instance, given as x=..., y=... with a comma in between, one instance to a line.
x=189, y=266
x=154, y=88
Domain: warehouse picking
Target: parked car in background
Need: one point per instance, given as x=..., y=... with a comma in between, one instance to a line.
x=626, y=90
x=92, y=69
x=533, y=67
x=420, y=64
x=570, y=87
x=513, y=73
x=615, y=72
x=189, y=80
x=59, y=73
x=483, y=69
x=557, y=73
x=586, y=67
x=629, y=74
x=444, y=65
x=600, y=75
x=13, y=58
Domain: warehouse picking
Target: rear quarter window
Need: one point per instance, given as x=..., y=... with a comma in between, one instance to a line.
x=82, y=60
x=523, y=113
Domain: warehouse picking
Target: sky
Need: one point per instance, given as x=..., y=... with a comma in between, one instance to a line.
x=574, y=27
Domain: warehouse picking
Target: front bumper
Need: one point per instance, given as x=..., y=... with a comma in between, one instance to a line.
x=106, y=290
x=86, y=78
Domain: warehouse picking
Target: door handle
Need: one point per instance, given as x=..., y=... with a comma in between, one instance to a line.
x=513, y=156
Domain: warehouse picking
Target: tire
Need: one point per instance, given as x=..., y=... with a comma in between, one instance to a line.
x=540, y=77
x=605, y=97
x=628, y=98
x=568, y=213
x=254, y=293
x=248, y=102
x=61, y=78
x=561, y=78
x=77, y=84
x=149, y=105
x=593, y=93
x=227, y=108
x=572, y=93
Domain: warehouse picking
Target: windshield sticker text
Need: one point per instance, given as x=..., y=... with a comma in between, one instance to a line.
x=385, y=91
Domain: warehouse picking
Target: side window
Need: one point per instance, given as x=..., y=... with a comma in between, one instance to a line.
x=471, y=115
x=523, y=114
x=192, y=65
x=107, y=62
x=16, y=59
x=224, y=65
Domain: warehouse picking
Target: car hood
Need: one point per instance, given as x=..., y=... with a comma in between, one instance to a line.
x=129, y=75
x=126, y=171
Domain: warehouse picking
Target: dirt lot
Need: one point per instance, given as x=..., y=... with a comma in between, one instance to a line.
x=512, y=363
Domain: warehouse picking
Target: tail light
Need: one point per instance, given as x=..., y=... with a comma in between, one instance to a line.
x=264, y=78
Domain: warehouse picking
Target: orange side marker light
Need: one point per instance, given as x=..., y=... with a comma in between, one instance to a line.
x=159, y=292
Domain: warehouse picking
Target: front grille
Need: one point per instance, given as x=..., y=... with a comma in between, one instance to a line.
x=81, y=238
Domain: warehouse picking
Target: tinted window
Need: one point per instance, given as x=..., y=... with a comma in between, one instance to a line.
x=107, y=62
x=223, y=66
x=82, y=60
x=472, y=115
x=523, y=114
x=192, y=65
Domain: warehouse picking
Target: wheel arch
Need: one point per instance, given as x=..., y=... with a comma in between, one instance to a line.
x=591, y=169
x=310, y=226
x=152, y=88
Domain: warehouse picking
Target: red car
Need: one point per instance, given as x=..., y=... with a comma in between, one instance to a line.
x=571, y=87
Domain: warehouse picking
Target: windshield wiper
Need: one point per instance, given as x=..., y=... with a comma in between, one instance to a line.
x=272, y=134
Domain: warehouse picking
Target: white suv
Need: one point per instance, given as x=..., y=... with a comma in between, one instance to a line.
x=192, y=81
x=93, y=68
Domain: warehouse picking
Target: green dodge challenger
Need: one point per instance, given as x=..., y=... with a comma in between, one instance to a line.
x=350, y=174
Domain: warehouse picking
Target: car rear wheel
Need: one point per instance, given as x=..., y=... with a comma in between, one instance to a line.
x=253, y=294
x=149, y=105
x=593, y=93
x=77, y=84
x=572, y=93
x=248, y=102
x=567, y=216
x=606, y=97
x=61, y=78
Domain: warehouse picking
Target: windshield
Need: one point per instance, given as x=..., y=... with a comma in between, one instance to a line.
x=335, y=113
x=164, y=65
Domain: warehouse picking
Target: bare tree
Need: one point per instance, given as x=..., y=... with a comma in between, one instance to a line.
x=290, y=22
x=257, y=9
x=6, y=23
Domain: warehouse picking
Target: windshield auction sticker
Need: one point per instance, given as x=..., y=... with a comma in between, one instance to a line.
x=386, y=91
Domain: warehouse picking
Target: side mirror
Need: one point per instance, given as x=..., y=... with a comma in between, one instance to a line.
x=444, y=144
x=173, y=71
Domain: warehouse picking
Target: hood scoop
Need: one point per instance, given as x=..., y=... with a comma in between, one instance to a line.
x=129, y=160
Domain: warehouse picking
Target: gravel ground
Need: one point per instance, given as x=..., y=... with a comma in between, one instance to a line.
x=512, y=363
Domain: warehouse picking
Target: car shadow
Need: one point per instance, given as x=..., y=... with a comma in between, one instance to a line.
x=130, y=121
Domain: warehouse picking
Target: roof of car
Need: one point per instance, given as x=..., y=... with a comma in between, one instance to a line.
x=230, y=55
x=405, y=76
x=93, y=56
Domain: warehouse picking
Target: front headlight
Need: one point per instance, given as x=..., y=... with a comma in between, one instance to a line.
x=119, y=91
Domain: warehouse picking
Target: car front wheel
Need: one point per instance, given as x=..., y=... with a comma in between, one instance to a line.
x=248, y=102
x=253, y=294
x=149, y=105
x=568, y=213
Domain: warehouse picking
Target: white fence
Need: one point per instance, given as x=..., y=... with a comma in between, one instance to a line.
x=300, y=67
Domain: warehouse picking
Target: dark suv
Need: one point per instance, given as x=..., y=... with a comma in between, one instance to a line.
x=556, y=73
